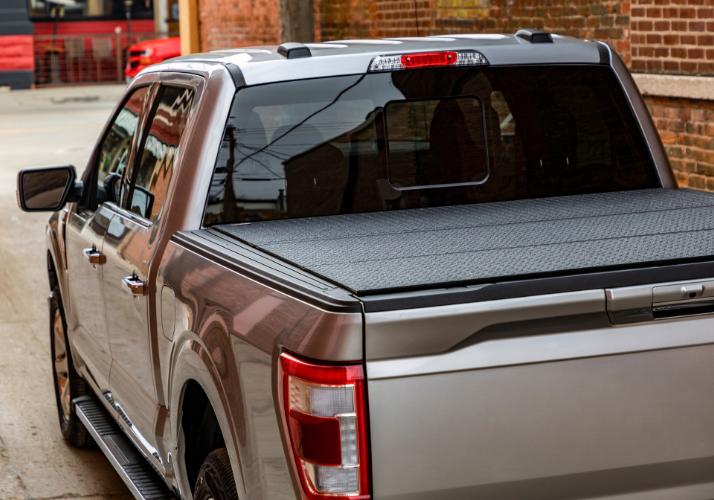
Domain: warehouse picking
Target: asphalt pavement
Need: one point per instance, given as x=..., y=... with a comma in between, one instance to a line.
x=42, y=127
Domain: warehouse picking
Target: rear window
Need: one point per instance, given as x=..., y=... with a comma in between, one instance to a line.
x=423, y=138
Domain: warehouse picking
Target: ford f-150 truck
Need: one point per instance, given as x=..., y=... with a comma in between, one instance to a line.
x=448, y=267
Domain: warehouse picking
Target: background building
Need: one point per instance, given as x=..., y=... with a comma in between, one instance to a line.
x=76, y=41
x=668, y=44
x=16, y=59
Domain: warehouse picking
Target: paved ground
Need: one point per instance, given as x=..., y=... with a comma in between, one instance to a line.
x=40, y=127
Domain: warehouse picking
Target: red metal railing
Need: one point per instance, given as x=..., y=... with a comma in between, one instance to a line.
x=70, y=59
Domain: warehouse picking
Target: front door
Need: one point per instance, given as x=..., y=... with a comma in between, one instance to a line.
x=87, y=224
x=131, y=247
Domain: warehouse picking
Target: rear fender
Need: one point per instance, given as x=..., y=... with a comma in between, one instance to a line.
x=206, y=361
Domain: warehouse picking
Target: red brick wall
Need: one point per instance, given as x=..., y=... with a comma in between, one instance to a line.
x=232, y=23
x=687, y=130
x=346, y=19
x=673, y=36
x=607, y=20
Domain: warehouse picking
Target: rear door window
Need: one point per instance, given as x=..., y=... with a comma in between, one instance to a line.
x=155, y=165
x=116, y=147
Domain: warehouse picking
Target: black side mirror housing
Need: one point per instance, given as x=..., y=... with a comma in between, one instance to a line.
x=47, y=189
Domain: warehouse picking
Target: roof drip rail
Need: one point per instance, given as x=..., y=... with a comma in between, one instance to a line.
x=292, y=50
x=535, y=36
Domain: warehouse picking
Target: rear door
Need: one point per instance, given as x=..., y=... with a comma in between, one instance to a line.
x=132, y=244
x=86, y=227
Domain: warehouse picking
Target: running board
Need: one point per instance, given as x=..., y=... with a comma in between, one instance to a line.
x=135, y=471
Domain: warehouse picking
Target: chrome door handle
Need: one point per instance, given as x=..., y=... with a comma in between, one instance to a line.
x=135, y=285
x=94, y=256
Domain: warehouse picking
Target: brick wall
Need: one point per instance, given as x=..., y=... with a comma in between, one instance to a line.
x=677, y=37
x=674, y=37
x=606, y=20
x=346, y=19
x=232, y=23
x=687, y=130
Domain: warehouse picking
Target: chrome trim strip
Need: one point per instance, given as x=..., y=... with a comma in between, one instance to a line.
x=150, y=454
x=148, y=451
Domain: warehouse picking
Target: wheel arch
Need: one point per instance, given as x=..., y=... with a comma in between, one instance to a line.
x=196, y=381
x=201, y=431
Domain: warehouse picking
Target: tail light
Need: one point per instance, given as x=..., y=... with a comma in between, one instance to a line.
x=326, y=424
x=414, y=60
x=429, y=59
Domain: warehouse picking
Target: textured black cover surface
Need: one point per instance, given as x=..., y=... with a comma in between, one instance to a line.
x=425, y=248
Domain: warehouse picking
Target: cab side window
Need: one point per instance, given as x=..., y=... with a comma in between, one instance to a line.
x=155, y=165
x=113, y=155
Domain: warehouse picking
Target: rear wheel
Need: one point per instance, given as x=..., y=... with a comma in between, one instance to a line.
x=68, y=384
x=215, y=478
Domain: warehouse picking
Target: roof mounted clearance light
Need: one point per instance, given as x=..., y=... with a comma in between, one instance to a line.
x=415, y=60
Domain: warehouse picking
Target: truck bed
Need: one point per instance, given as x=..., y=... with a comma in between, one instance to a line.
x=470, y=244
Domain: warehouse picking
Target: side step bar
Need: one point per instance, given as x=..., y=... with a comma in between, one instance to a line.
x=135, y=471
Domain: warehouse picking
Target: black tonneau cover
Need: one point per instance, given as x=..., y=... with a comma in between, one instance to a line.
x=394, y=251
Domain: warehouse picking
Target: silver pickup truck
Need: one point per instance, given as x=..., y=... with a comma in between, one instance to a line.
x=450, y=267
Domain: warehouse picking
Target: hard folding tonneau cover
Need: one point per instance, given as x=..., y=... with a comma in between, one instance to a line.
x=429, y=248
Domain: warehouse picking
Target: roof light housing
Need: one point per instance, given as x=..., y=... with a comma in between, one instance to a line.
x=431, y=59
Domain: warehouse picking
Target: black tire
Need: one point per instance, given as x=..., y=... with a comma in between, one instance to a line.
x=67, y=383
x=215, y=478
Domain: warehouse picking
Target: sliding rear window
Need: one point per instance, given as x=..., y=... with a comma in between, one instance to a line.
x=423, y=138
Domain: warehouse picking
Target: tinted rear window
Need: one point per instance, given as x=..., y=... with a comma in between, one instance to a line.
x=424, y=138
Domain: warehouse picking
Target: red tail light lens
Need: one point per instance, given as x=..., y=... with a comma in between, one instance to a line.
x=415, y=60
x=326, y=423
x=429, y=59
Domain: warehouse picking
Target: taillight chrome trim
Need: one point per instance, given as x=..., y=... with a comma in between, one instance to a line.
x=326, y=375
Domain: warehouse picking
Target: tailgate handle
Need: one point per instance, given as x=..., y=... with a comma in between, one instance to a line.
x=135, y=285
x=94, y=256
x=685, y=309
x=648, y=302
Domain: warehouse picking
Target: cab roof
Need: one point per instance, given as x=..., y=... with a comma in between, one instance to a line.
x=257, y=65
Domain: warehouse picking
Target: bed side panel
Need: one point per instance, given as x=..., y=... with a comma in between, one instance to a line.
x=240, y=325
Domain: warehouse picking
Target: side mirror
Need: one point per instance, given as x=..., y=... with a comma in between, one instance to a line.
x=142, y=202
x=47, y=189
x=111, y=188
